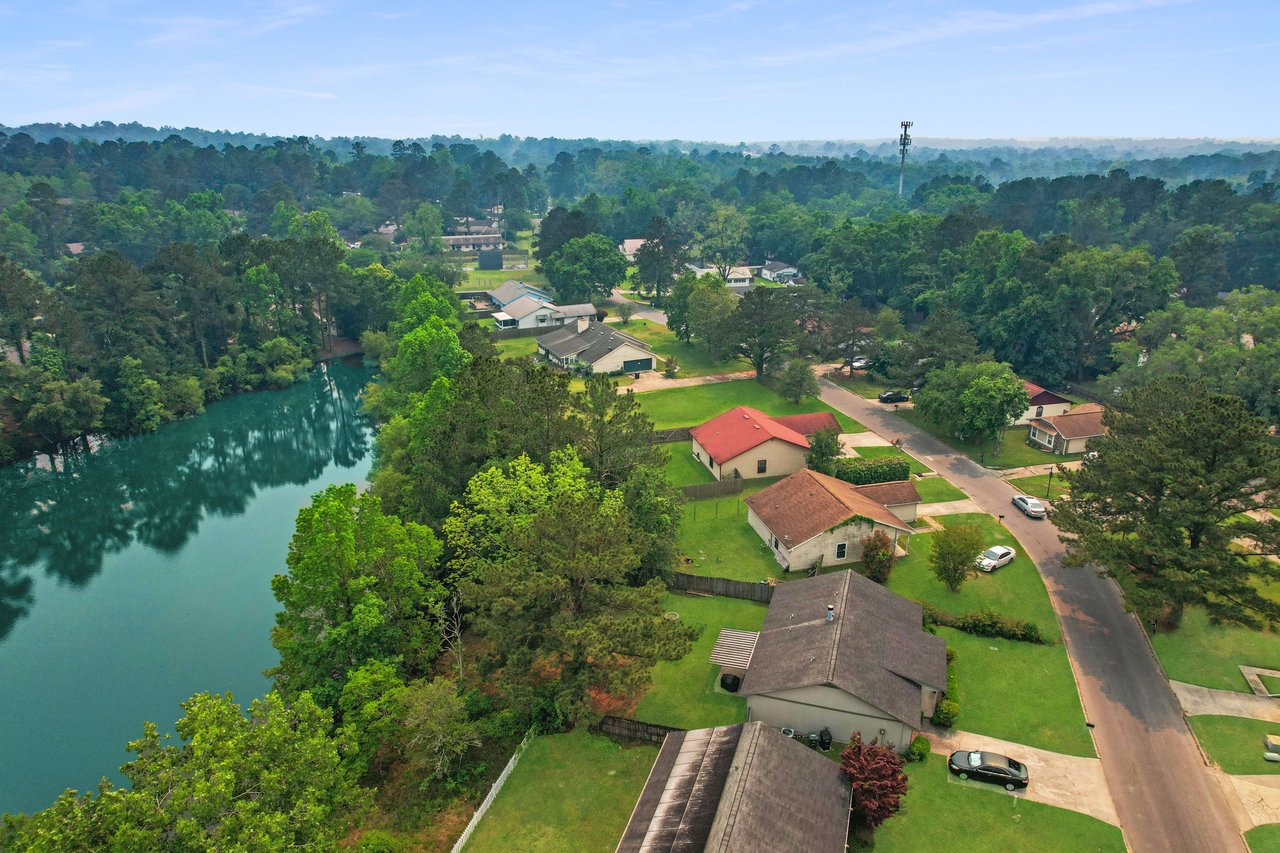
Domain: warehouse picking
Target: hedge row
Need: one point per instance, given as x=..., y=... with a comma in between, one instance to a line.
x=986, y=623
x=881, y=469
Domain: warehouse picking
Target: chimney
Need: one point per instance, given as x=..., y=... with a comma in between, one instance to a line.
x=831, y=613
x=583, y=323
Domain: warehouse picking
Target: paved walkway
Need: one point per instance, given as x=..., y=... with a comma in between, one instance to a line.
x=1196, y=700
x=1259, y=798
x=643, y=311
x=1066, y=781
x=863, y=439
x=655, y=381
x=948, y=507
x=1032, y=470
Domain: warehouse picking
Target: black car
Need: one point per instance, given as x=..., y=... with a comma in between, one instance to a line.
x=894, y=397
x=988, y=767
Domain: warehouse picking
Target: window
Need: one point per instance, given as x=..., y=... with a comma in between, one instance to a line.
x=1039, y=411
x=775, y=543
x=842, y=549
x=762, y=465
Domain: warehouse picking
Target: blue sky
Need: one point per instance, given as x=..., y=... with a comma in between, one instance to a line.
x=724, y=71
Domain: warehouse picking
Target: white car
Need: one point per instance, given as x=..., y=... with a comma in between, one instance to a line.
x=859, y=364
x=995, y=557
x=1029, y=506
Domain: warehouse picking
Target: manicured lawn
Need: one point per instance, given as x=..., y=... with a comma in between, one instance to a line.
x=517, y=347
x=1235, y=743
x=917, y=467
x=569, y=792
x=485, y=279
x=1038, y=485
x=1271, y=684
x=1014, y=451
x=678, y=407
x=936, y=489
x=714, y=534
x=864, y=385
x=1198, y=652
x=577, y=384
x=686, y=693
x=940, y=813
x=683, y=469
x=692, y=358
x=1264, y=839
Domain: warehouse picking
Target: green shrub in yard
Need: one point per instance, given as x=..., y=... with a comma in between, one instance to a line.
x=986, y=623
x=919, y=749
x=946, y=713
x=864, y=472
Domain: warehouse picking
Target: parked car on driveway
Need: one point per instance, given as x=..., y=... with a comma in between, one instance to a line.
x=995, y=557
x=859, y=363
x=894, y=397
x=1030, y=507
x=988, y=767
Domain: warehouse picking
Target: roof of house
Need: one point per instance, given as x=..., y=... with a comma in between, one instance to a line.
x=738, y=430
x=778, y=266
x=894, y=493
x=1041, y=397
x=805, y=504
x=468, y=239
x=630, y=245
x=1084, y=421
x=509, y=291
x=742, y=787
x=875, y=647
x=810, y=422
x=526, y=305
x=581, y=309
x=590, y=346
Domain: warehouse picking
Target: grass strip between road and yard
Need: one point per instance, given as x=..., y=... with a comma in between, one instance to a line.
x=568, y=792
x=696, y=404
x=1264, y=839
x=1235, y=743
x=686, y=693
x=937, y=490
x=1199, y=652
x=1038, y=486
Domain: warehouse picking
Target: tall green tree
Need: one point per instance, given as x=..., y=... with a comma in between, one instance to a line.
x=764, y=327
x=975, y=401
x=722, y=239
x=952, y=553
x=613, y=434
x=1157, y=505
x=20, y=294
x=585, y=268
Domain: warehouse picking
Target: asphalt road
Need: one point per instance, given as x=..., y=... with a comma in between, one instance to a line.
x=1165, y=796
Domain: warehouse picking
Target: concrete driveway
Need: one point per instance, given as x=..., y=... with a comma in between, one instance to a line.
x=1197, y=700
x=1138, y=722
x=1066, y=781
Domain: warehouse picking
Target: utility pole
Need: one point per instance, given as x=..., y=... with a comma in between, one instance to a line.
x=904, y=142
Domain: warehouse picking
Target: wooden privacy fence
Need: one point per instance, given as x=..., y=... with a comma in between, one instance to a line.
x=720, y=488
x=626, y=729
x=760, y=592
x=507, y=334
x=666, y=436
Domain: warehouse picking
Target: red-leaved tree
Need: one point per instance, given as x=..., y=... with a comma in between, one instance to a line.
x=875, y=772
x=877, y=556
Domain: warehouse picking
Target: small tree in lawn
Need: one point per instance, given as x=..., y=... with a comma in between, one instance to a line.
x=875, y=774
x=877, y=556
x=824, y=450
x=953, y=552
x=797, y=381
x=672, y=367
x=626, y=311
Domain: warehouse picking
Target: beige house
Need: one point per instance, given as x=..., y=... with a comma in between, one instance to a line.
x=810, y=517
x=630, y=246
x=747, y=443
x=1044, y=404
x=842, y=653
x=1068, y=433
x=586, y=344
x=530, y=312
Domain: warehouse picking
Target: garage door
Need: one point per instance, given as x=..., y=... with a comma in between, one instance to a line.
x=637, y=364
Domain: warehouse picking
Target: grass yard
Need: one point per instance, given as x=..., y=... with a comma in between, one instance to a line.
x=1014, y=451
x=686, y=693
x=517, y=347
x=1210, y=655
x=714, y=534
x=939, y=813
x=936, y=490
x=692, y=358
x=1235, y=743
x=1264, y=839
x=1040, y=706
x=917, y=467
x=683, y=469
x=485, y=279
x=1271, y=684
x=864, y=385
x=1038, y=484
x=679, y=407
x=569, y=792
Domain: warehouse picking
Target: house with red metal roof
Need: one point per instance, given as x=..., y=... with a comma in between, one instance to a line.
x=747, y=443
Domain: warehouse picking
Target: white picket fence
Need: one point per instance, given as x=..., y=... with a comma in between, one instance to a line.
x=493, y=792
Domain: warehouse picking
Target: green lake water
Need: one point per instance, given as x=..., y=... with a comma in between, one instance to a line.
x=139, y=575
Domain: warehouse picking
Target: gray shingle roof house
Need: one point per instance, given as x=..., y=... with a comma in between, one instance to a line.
x=739, y=789
x=778, y=271
x=510, y=291
x=598, y=347
x=867, y=667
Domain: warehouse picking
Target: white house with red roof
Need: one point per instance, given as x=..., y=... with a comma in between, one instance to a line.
x=1044, y=404
x=747, y=443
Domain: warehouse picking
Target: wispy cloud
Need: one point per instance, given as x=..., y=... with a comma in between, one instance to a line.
x=183, y=30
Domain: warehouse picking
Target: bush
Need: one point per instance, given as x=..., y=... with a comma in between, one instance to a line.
x=672, y=368
x=877, y=556
x=380, y=841
x=946, y=713
x=875, y=775
x=986, y=623
x=882, y=469
x=919, y=749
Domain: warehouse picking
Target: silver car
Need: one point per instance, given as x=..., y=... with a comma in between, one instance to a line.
x=1029, y=506
x=995, y=557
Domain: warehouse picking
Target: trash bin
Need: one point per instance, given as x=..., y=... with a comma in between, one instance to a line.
x=730, y=682
x=824, y=739
x=813, y=740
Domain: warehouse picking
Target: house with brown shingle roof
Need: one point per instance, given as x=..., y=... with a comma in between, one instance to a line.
x=1044, y=404
x=744, y=787
x=840, y=652
x=1069, y=433
x=747, y=443
x=809, y=517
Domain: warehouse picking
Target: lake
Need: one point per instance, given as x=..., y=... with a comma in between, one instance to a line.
x=139, y=575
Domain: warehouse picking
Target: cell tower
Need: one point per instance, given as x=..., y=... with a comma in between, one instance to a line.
x=904, y=142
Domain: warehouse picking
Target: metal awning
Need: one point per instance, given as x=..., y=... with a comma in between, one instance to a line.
x=734, y=648
x=502, y=316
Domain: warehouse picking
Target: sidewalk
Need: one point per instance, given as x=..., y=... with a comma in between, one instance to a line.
x=1032, y=470
x=948, y=507
x=1196, y=701
x=655, y=381
x=1066, y=781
